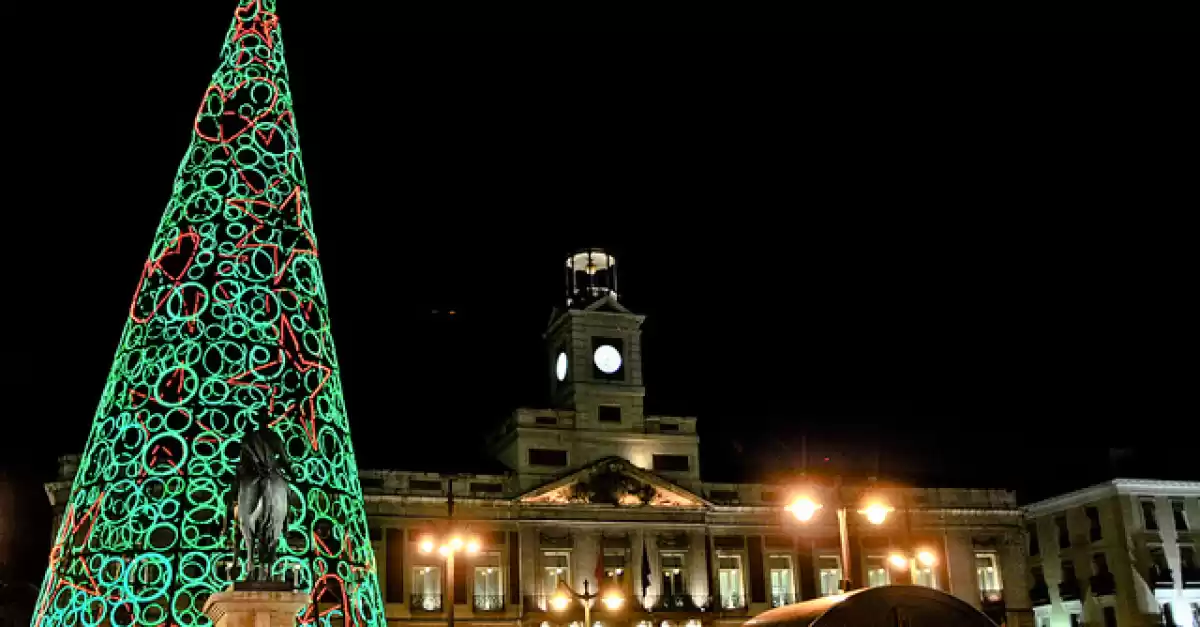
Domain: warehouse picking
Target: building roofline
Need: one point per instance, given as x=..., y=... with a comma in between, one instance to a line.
x=1120, y=485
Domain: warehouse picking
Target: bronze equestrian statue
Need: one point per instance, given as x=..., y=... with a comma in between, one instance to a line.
x=263, y=478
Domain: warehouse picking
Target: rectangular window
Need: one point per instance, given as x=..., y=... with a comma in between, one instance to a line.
x=1180, y=515
x=668, y=427
x=608, y=413
x=780, y=567
x=1031, y=531
x=1064, y=533
x=673, y=574
x=729, y=580
x=987, y=571
x=424, y=485
x=1039, y=576
x=614, y=565
x=671, y=463
x=426, y=588
x=1148, y=517
x=488, y=488
x=1068, y=571
x=1094, y=531
x=546, y=421
x=1110, y=616
x=723, y=496
x=829, y=571
x=877, y=572
x=923, y=575
x=1187, y=557
x=489, y=583
x=1100, y=564
x=556, y=567
x=547, y=457
x=1074, y=620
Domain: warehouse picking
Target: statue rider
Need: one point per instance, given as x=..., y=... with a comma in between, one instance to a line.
x=262, y=478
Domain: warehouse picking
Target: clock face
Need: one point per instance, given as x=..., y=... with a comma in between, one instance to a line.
x=607, y=359
x=560, y=366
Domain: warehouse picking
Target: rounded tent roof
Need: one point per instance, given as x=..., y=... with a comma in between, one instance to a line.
x=877, y=607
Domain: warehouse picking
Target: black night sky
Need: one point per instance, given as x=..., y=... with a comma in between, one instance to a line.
x=970, y=264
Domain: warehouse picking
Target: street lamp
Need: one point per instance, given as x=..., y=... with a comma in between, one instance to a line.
x=804, y=508
x=447, y=548
x=613, y=600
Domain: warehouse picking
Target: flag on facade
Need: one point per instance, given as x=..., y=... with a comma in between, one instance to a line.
x=645, y=569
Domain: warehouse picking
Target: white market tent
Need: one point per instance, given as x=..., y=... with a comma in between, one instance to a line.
x=885, y=606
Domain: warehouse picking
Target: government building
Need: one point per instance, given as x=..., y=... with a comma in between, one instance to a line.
x=1115, y=554
x=599, y=496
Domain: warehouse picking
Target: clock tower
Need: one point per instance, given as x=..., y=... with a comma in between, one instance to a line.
x=594, y=370
x=594, y=347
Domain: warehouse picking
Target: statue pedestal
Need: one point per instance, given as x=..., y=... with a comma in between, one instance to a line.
x=255, y=608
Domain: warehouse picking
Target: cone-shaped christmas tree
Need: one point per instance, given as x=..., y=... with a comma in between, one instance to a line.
x=228, y=330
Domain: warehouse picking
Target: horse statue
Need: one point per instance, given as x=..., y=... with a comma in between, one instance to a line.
x=263, y=478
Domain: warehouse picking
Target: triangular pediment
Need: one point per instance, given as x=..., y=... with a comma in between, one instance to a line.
x=613, y=481
x=609, y=303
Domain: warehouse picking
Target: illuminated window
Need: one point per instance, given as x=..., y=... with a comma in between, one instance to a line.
x=987, y=571
x=489, y=585
x=614, y=565
x=781, y=580
x=923, y=574
x=556, y=567
x=877, y=572
x=427, y=588
x=673, y=573
x=729, y=580
x=829, y=569
x=1073, y=619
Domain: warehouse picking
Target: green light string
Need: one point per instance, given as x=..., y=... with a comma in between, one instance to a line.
x=228, y=329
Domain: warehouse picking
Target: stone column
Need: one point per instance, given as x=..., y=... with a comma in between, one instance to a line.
x=697, y=565
x=256, y=608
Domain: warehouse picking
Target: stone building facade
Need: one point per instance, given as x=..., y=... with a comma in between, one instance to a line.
x=598, y=492
x=1117, y=554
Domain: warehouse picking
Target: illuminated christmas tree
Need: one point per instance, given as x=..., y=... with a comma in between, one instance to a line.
x=228, y=329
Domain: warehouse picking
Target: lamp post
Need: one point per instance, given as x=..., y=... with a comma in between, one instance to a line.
x=613, y=600
x=804, y=508
x=447, y=548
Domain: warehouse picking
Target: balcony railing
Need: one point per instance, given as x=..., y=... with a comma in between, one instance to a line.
x=991, y=597
x=732, y=602
x=672, y=603
x=1160, y=577
x=1069, y=590
x=1103, y=585
x=489, y=602
x=1039, y=594
x=423, y=602
x=780, y=599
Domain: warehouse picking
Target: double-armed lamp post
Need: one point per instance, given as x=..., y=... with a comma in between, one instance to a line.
x=447, y=548
x=875, y=509
x=613, y=600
